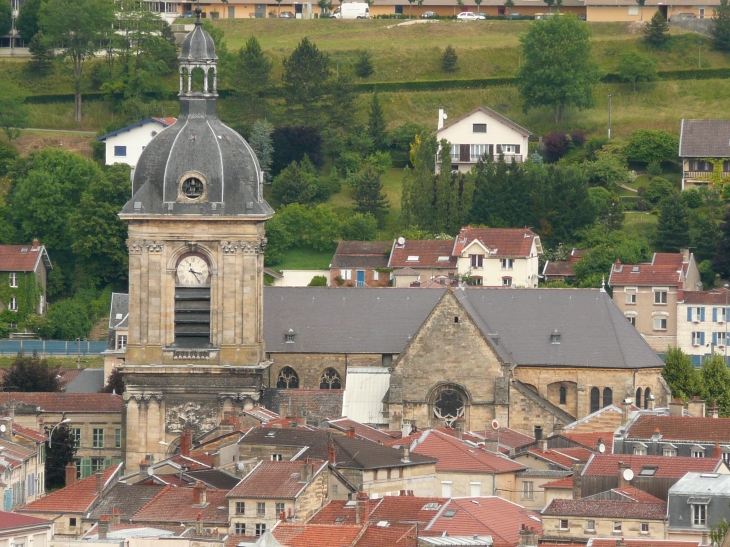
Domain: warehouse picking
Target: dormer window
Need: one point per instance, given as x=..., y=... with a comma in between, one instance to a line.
x=289, y=336
x=555, y=338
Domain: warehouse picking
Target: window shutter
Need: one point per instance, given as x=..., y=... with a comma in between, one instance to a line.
x=517, y=149
x=689, y=315
x=702, y=313
x=116, y=461
x=499, y=149
x=107, y=463
x=714, y=315
x=714, y=338
x=702, y=338
x=85, y=468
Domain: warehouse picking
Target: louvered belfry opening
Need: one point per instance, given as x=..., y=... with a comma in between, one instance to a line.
x=192, y=317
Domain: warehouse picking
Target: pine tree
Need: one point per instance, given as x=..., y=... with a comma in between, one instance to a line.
x=721, y=262
x=263, y=145
x=449, y=60
x=405, y=198
x=376, y=124
x=466, y=199
x=672, y=233
x=364, y=64
x=41, y=54
x=253, y=73
x=721, y=27
x=679, y=373
x=656, y=31
x=369, y=196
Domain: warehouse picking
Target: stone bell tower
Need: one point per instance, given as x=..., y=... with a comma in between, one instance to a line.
x=196, y=239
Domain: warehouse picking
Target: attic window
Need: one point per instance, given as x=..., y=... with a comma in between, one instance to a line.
x=340, y=519
x=118, y=316
x=647, y=471
x=634, y=269
x=431, y=507
x=412, y=258
x=383, y=524
x=289, y=336
x=24, y=250
x=350, y=504
x=271, y=434
x=442, y=259
x=449, y=514
x=479, y=128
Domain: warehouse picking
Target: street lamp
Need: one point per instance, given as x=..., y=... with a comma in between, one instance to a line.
x=50, y=436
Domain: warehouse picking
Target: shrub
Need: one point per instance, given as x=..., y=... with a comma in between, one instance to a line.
x=692, y=198
x=318, y=281
x=651, y=145
x=449, y=60
x=578, y=138
x=654, y=168
x=556, y=145
x=657, y=190
x=360, y=227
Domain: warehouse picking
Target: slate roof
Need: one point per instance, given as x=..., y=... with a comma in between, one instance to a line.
x=128, y=498
x=605, y=509
x=704, y=484
x=91, y=380
x=456, y=456
x=427, y=251
x=163, y=122
x=680, y=428
x=501, y=242
x=23, y=258
x=361, y=254
x=666, y=466
x=275, y=479
x=717, y=297
x=335, y=320
x=361, y=430
x=9, y=521
x=173, y=504
x=593, y=331
x=351, y=453
x=119, y=311
x=704, y=139
x=491, y=113
x=66, y=402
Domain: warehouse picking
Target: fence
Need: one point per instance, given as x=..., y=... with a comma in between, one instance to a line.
x=56, y=348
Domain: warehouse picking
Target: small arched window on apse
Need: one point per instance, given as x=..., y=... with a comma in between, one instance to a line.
x=287, y=379
x=330, y=380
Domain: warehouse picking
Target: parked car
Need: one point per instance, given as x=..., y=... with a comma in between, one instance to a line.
x=687, y=16
x=188, y=14
x=286, y=15
x=470, y=16
x=428, y=15
x=513, y=15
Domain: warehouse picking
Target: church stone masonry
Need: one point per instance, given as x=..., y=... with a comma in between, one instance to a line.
x=196, y=239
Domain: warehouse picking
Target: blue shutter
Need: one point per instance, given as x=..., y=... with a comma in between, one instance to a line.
x=714, y=315
x=8, y=501
x=702, y=313
x=702, y=338
x=714, y=338
x=689, y=314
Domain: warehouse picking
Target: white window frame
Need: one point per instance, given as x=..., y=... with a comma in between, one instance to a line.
x=721, y=314
x=698, y=453
x=506, y=281
x=631, y=297
x=669, y=452
x=346, y=275
x=590, y=525
x=474, y=126
x=509, y=149
x=121, y=341
x=639, y=451
x=376, y=275
x=658, y=320
x=446, y=489
x=695, y=314
x=508, y=263
x=13, y=280
x=721, y=340
x=476, y=261
x=475, y=489
x=631, y=319
x=240, y=528
x=658, y=297
x=696, y=338
x=644, y=528
x=528, y=490
x=564, y=524
x=617, y=527
x=240, y=508
x=699, y=515
x=13, y=305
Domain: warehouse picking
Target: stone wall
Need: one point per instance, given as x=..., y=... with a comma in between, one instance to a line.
x=315, y=405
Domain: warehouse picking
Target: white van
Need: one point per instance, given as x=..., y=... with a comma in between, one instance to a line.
x=352, y=10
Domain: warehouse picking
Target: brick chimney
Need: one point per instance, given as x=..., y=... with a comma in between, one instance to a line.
x=578, y=480
x=459, y=431
x=70, y=473
x=186, y=442
x=362, y=508
x=103, y=526
x=717, y=452
x=350, y=432
x=305, y=474
x=116, y=516
x=622, y=482
x=528, y=537
x=676, y=408
x=199, y=524
x=199, y=493
x=696, y=407
x=100, y=485
x=626, y=411
x=714, y=411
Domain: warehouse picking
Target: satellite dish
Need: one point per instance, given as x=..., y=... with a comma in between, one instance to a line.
x=240, y=466
x=2, y=428
x=628, y=474
x=602, y=449
x=495, y=424
x=150, y=472
x=401, y=240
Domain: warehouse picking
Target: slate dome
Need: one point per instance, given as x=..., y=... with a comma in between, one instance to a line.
x=198, y=166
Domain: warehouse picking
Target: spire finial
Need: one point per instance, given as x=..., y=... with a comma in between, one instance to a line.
x=198, y=11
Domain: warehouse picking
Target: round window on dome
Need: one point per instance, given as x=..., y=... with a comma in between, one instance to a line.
x=192, y=188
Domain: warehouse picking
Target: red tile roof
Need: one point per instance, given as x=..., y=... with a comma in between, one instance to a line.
x=321, y=535
x=506, y=436
x=362, y=431
x=564, y=483
x=637, y=495
x=14, y=259
x=427, y=251
x=401, y=535
x=680, y=428
x=77, y=498
x=393, y=509
x=492, y=516
x=29, y=433
x=644, y=274
x=66, y=402
x=169, y=120
x=14, y=520
x=173, y=504
x=591, y=440
x=668, y=259
x=515, y=242
x=666, y=466
x=456, y=455
x=605, y=509
x=716, y=296
x=563, y=269
x=611, y=542
x=272, y=479
x=563, y=456
x=194, y=462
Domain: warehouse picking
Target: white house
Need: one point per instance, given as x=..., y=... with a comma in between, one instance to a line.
x=125, y=145
x=481, y=131
x=498, y=257
x=702, y=323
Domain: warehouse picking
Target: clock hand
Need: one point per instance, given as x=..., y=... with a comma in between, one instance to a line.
x=195, y=274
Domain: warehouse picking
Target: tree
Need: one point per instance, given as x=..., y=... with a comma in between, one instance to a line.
x=6, y=13
x=324, y=5
x=115, y=383
x=296, y=184
x=60, y=451
x=263, y=145
x=78, y=26
x=27, y=22
x=376, y=124
x=559, y=69
x=635, y=67
x=368, y=194
x=410, y=8
x=449, y=60
x=508, y=5
x=656, y=31
x=641, y=8
x=40, y=52
x=679, y=373
x=292, y=143
x=478, y=3
x=672, y=233
x=720, y=28
x=721, y=261
x=14, y=114
x=647, y=145
x=364, y=64
x=30, y=374
x=359, y=227
x=716, y=382
x=306, y=73
x=253, y=77
x=704, y=235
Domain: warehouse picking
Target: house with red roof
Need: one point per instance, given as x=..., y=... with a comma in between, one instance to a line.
x=648, y=294
x=21, y=530
x=24, y=272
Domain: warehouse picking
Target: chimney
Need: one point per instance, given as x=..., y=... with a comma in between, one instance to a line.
x=696, y=407
x=558, y=428
x=36, y=243
x=578, y=480
x=100, y=485
x=528, y=537
x=70, y=473
x=406, y=428
x=350, y=432
x=362, y=508
x=458, y=431
x=199, y=493
x=650, y=404
x=626, y=411
x=144, y=465
x=7, y=421
x=543, y=445
x=705, y=538
x=186, y=442
x=405, y=453
x=685, y=255
x=442, y=117
x=116, y=516
x=305, y=474
x=199, y=524
x=282, y=515
x=714, y=411
x=676, y=408
x=622, y=482
x=717, y=452
x=103, y=526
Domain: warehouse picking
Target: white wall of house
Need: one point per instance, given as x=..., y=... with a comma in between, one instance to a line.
x=299, y=278
x=38, y=535
x=494, y=271
x=127, y=146
x=696, y=332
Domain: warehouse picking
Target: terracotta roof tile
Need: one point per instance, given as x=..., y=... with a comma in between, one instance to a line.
x=680, y=428
x=29, y=433
x=637, y=495
x=13, y=258
x=14, y=520
x=320, y=535
x=456, y=455
x=564, y=483
x=426, y=252
x=393, y=509
x=605, y=509
x=666, y=466
x=611, y=542
x=644, y=274
x=176, y=505
x=77, y=498
x=194, y=462
x=668, y=259
x=563, y=456
x=590, y=440
x=564, y=269
x=361, y=430
x=716, y=296
x=388, y=536
x=506, y=436
x=515, y=242
x=66, y=402
x=275, y=479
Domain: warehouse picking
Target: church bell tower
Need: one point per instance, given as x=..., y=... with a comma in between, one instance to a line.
x=196, y=239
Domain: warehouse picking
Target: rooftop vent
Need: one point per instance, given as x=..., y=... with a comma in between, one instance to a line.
x=555, y=337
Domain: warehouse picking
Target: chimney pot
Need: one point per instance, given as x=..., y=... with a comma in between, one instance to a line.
x=351, y=432
x=103, y=526
x=100, y=485
x=331, y=453
x=186, y=442
x=70, y=473
x=362, y=508
x=199, y=494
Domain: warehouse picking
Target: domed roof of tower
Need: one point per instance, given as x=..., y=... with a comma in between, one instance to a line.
x=198, y=45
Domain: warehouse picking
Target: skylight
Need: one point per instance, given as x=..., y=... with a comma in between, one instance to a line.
x=450, y=513
x=443, y=259
x=412, y=258
x=647, y=472
x=430, y=507
x=383, y=524
x=339, y=519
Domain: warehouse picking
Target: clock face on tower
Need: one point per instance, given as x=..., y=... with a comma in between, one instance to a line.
x=192, y=271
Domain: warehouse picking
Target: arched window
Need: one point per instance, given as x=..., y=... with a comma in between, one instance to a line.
x=448, y=406
x=563, y=395
x=647, y=394
x=330, y=380
x=199, y=78
x=607, y=396
x=595, y=399
x=638, y=397
x=287, y=379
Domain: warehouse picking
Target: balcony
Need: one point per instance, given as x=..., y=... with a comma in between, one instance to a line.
x=475, y=158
